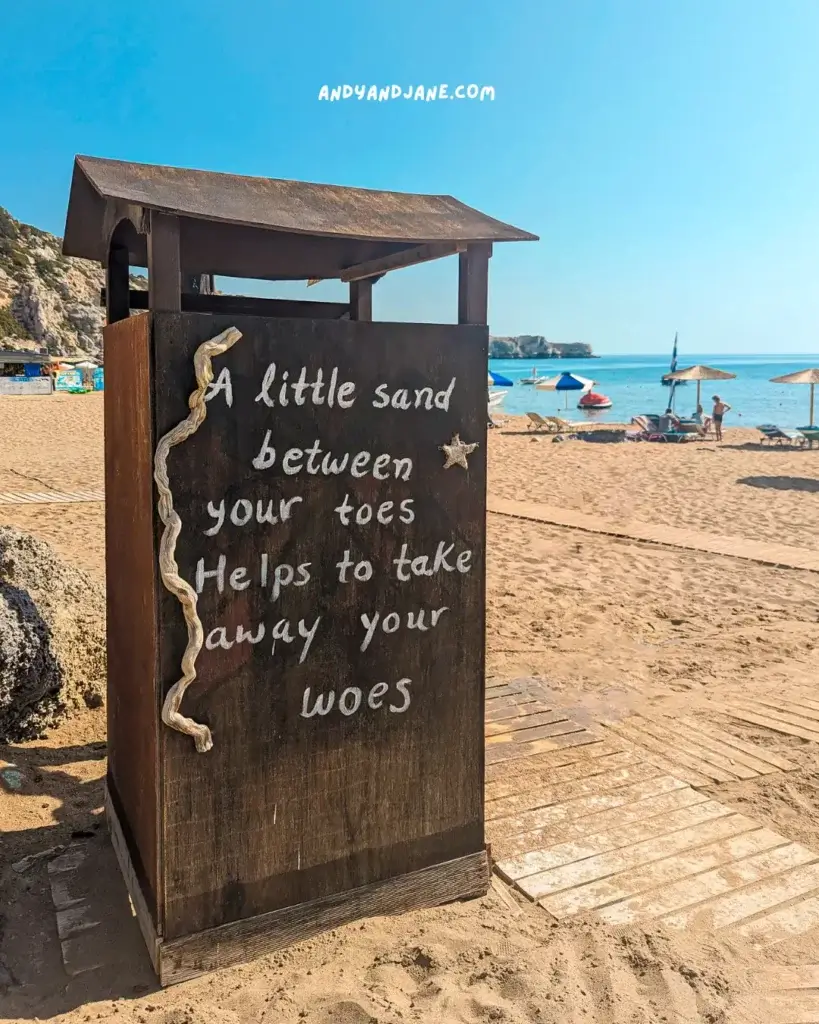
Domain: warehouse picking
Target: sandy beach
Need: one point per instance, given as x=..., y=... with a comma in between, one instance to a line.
x=604, y=619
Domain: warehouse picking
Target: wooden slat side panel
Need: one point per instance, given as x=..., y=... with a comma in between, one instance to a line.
x=133, y=711
x=185, y=958
x=289, y=807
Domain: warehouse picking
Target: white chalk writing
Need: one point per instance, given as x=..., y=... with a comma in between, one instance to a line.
x=222, y=383
x=362, y=570
x=351, y=698
x=309, y=460
x=370, y=523
x=218, y=637
x=282, y=576
x=244, y=510
x=423, y=398
x=384, y=513
x=407, y=566
x=391, y=623
x=294, y=390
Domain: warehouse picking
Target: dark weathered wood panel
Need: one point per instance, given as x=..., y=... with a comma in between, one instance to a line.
x=244, y=305
x=473, y=284
x=117, y=283
x=361, y=299
x=238, y=943
x=131, y=593
x=233, y=251
x=398, y=261
x=164, y=263
x=145, y=920
x=286, y=809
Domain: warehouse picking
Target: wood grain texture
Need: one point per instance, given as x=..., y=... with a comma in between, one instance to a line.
x=164, y=263
x=117, y=282
x=594, y=868
x=286, y=809
x=464, y=878
x=243, y=305
x=361, y=300
x=619, y=889
x=143, y=914
x=408, y=258
x=552, y=833
x=473, y=284
x=131, y=594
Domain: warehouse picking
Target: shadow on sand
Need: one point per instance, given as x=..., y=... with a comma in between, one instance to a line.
x=782, y=483
x=109, y=957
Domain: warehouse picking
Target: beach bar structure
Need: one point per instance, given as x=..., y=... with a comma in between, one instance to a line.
x=295, y=576
x=21, y=373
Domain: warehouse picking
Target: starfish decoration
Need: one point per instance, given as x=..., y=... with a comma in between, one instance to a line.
x=456, y=452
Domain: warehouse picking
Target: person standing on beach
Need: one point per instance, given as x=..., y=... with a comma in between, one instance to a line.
x=720, y=409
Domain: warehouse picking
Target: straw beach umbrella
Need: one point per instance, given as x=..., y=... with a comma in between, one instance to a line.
x=700, y=373
x=801, y=377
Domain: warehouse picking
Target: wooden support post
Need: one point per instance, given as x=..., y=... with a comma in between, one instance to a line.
x=361, y=299
x=164, y=267
x=197, y=284
x=473, y=284
x=117, y=283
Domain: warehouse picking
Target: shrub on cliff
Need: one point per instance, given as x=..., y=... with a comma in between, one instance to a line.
x=10, y=327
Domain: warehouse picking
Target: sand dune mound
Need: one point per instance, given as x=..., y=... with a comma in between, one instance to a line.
x=52, y=637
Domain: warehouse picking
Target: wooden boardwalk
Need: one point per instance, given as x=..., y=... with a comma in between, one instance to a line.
x=791, y=715
x=790, y=995
x=49, y=497
x=605, y=820
x=780, y=555
x=696, y=751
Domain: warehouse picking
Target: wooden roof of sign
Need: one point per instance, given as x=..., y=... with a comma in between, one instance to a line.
x=221, y=214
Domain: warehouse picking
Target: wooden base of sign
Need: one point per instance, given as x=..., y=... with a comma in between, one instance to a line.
x=180, y=960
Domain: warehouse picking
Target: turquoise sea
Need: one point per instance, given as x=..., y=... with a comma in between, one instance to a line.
x=633, y=385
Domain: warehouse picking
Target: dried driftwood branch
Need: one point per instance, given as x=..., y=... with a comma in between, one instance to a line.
x=203, y=368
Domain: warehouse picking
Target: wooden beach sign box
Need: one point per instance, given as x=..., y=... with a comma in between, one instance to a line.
x=295, y=535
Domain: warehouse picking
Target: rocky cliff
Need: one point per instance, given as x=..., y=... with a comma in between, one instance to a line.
x=47, y=300
x=535, y=346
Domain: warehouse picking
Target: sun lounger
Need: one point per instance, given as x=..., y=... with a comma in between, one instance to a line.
x=776, y=435
x=672, y=436
x=810, y=434
x=562, y=426
x=539, y=423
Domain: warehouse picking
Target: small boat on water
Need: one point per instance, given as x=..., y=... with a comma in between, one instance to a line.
x=534, y=379
x=594, y=400
x=495, y=398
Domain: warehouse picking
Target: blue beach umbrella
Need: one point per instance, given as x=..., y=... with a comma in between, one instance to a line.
x=499, y=380
x=571, y=382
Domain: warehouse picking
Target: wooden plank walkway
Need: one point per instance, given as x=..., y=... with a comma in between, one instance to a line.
x=789, y=715
x=698, y=752
x=522, y=722
x=779, y=555
x=790, y=995
x=49, y=497
x=597, y=820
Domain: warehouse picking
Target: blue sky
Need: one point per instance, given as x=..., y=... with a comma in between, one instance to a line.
x=667, y=153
